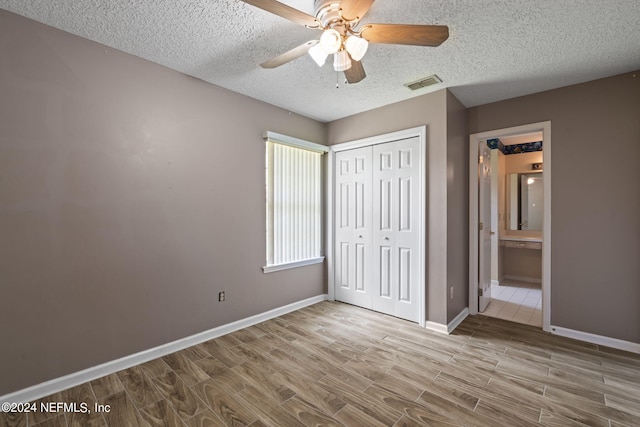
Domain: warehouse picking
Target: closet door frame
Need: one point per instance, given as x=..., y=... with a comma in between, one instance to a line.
x=421, y=133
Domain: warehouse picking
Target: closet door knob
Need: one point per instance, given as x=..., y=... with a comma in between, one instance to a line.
x=386, y=238
x=360, y=236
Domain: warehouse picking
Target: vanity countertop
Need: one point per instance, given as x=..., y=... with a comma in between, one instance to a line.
x=521, y=239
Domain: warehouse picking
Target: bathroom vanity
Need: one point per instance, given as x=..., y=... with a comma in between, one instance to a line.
x=520, y=258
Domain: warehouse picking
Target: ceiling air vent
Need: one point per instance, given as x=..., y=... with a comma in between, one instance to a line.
x=427, y=81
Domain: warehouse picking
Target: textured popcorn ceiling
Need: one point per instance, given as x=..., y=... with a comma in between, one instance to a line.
x=497, y=49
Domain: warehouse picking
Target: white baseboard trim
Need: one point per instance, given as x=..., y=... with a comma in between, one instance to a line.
x=55, y=385
x=457, y=320
x=524, y=279
x=495, y=282
x=596, y=339
x=436, y=327
x=447, y=329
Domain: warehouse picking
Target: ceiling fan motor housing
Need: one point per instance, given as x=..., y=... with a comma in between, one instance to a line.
x=328, y=13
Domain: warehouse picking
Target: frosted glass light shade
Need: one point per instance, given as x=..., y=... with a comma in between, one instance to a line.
x=357, y=47
x=318, y=54
x=341, y=61
x=330, y=40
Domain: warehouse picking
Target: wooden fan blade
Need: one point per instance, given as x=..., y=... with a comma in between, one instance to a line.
x=355, y=73
x=294, y=53
x=355, y=9
x=285, y=11
x=419, y=35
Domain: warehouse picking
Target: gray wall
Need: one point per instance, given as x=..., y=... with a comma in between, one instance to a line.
x=595, y=196
x=447, y=176
x=457, y=207
x=130, y=195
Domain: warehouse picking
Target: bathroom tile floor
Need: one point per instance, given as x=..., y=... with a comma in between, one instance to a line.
x=516, y=301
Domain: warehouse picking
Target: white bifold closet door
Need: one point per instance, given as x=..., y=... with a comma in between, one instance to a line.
x=377, y=227
x=353, y=227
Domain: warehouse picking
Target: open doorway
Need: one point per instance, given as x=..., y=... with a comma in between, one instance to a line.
x=510, y=223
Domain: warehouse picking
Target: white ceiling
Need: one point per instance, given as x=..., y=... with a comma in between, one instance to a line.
x=497, y=49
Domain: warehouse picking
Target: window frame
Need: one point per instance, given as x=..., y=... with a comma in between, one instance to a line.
x=276, y=138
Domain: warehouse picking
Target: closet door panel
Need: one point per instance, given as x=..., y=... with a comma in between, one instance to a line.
x=353, y=227
x=396, y=230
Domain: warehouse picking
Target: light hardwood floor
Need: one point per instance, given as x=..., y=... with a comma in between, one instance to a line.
x=335, y=364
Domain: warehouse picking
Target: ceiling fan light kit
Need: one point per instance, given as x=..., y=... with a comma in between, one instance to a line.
x=318, y=54
x=343, y=48
x=357, y=47
x=331, y=41
x=340, y=37
x=341, y=61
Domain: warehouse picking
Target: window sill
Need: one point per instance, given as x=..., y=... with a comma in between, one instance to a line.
x=279, y=267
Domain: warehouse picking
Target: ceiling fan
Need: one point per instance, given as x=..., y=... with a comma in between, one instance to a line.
x=343, y=36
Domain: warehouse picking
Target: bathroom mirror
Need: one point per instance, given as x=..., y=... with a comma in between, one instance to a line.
x=524, y=201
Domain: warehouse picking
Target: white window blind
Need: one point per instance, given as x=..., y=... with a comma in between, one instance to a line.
x=294, y=202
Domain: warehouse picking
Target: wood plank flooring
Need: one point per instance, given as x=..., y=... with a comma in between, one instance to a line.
x=335, y=364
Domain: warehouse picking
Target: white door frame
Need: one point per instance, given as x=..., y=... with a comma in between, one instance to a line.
x=474, y=140
x=421, y=133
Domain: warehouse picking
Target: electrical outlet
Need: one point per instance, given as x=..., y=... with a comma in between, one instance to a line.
x=221, y=296
x=451, y=292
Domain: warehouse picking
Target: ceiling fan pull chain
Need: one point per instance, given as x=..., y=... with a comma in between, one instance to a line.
x=337, y=80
